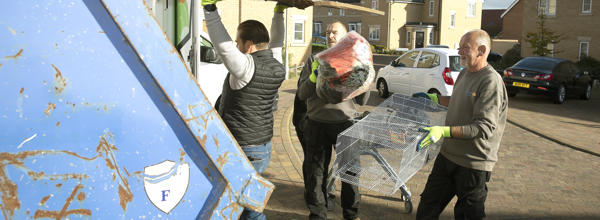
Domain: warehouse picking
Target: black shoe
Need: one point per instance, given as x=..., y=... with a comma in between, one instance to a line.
x=330, y=202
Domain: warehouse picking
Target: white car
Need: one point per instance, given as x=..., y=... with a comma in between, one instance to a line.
x=431, y=70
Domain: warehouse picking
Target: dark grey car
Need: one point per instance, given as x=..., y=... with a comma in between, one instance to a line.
x=550, y=76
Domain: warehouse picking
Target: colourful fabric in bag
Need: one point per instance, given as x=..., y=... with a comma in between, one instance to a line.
x=345, y=70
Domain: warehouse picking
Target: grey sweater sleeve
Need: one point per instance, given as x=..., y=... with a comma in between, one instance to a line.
x=486, y=110
x=277, y=36
x=240, y=65
x=306, y=88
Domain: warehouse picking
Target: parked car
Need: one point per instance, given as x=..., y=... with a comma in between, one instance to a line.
x=494, y=57
x=551, y=76
x=319, y=43
x=437, y=46
x=432, y=70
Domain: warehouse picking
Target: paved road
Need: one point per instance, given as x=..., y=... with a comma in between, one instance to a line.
x=535, y=178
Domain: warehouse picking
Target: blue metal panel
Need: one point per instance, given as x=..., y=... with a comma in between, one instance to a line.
x=100, y=118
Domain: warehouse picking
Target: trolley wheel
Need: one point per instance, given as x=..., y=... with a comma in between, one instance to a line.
x=407, y=203
x=408, y=206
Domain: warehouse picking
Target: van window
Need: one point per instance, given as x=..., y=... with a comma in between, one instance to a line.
x=455, y=63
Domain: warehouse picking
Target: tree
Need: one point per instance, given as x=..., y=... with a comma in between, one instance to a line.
x=540, y=40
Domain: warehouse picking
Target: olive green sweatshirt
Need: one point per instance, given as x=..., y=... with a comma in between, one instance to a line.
x=479, y=104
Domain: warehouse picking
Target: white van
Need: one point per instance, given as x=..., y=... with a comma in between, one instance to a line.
x=210, y=72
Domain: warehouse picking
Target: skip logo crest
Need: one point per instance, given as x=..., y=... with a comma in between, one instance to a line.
x=165, y=184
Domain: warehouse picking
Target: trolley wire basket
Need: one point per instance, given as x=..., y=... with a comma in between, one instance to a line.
x=379, y=152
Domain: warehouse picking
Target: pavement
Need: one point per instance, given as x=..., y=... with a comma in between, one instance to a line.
x=547, y=168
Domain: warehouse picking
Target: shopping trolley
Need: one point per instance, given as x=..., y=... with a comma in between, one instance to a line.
x=379, y=153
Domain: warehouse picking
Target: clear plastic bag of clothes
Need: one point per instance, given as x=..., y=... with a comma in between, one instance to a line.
x=345, y=70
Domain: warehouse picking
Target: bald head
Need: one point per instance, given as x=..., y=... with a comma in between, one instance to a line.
x=481, y=38
x=335, y=32
x=474, y=50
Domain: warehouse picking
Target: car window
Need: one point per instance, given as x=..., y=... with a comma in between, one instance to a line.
x=428, y=60
x=408, y=60
x=455, y=63
x=537, y=64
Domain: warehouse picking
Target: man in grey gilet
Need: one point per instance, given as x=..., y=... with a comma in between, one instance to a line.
x=255, y=75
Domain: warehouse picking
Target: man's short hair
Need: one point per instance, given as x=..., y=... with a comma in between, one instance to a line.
x=254, y=31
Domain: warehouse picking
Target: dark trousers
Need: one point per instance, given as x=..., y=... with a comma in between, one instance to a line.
x=320, y=139
x=448, y=179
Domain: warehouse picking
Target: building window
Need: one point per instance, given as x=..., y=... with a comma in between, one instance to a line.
x=299, y=31
x=452, y=19
x=408, y=37
x=358, y=27
x=583, y=49
x=586, y=6
x=373, y=32
x=352, y=27
x=374, y=4
x=342, y=13
x=329, y=12
x=431, y=37
x=317, y=28
x=471, y=8
x=431, y=8
x=547, y=7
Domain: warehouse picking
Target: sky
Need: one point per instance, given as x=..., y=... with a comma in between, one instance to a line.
x=496, y=4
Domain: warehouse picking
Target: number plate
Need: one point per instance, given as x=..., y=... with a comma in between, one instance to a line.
x=524, y=85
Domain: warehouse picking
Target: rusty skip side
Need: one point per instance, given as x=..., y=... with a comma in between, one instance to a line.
x=180, y=100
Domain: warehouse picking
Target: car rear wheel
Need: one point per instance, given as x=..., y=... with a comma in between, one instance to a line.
x=382, y=88
x=561, y=93
x=587, y=94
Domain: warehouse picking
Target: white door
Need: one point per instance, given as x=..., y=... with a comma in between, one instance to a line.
x=427, y=74
x=400, y=75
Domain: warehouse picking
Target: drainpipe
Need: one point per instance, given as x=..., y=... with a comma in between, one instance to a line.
x=196, y=26
x=439, y=24
x=287, y=47
x=389, y=28
x=240, y=12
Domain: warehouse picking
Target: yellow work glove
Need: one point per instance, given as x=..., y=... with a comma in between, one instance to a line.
x=314, y=72
x=431, y=96
x=209, y=2
x=434, y=134
x=280, y=7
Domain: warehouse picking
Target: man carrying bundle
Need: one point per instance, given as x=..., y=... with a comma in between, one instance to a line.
x=323, y=124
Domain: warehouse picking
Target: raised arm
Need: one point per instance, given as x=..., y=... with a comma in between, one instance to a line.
x=238, y=64
x=277, y=35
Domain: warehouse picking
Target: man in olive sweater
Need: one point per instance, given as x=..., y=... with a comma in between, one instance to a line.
x=321, y=128
x=474, y=126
